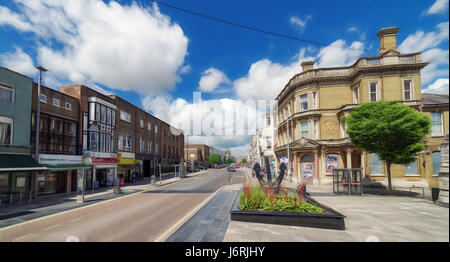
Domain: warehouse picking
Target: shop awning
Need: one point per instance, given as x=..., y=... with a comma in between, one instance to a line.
x=127, y=167
x=66, y=167
x=19, y=163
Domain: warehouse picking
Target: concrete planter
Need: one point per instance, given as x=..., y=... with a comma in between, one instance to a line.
x=330, y=220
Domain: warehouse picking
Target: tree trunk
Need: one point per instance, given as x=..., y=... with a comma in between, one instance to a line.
x=389, y=176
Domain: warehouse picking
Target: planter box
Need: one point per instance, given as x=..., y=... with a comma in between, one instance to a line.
x=329, y=220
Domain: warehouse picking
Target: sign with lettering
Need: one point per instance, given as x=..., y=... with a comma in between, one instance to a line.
x=48, y=159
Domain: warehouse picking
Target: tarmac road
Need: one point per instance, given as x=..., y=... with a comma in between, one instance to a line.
x=143, y=216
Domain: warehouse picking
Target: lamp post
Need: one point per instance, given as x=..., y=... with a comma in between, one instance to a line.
x=38, y=116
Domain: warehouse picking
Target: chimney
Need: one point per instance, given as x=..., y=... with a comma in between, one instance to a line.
x=307, y=65
x=388, y=39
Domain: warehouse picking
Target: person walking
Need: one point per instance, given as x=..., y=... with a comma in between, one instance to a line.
x=257, y=171
x=283, y=168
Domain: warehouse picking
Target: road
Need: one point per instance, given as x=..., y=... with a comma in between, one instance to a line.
x=139, y=217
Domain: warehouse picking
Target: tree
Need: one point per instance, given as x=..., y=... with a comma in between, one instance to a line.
x=214, y=159
x=243, y=161
x=395, y=132
x=230, y=160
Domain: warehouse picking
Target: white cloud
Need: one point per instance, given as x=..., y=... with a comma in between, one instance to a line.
x=440, y=86
x=421, y=41
x=339, y=54
x=266, y=79
x=185, y=69
x=15, y=20
x=221, y=123
x=211, y=79
x=19, y=62
x=299, y=23
x=427, y=44
x=439, y=7
x=122, y=47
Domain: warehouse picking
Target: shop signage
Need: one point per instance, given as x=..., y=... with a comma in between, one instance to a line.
x=48, y=159
x=99, y=154
x=99, y=160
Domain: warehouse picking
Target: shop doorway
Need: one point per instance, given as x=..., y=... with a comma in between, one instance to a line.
x=147, y=168
x=61, y=181
x=102, y=177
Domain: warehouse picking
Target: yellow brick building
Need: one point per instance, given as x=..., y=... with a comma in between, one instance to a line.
x=311, y=132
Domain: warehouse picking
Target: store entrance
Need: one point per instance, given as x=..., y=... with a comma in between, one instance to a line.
x=61, y=181
x=102, y=177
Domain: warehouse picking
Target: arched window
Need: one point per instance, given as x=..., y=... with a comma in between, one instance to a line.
x=307, y=158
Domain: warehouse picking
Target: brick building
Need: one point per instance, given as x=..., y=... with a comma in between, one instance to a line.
x=59, y=147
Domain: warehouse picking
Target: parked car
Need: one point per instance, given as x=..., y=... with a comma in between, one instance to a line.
x=231, y=169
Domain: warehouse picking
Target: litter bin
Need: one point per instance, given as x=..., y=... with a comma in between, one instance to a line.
x=434, y=194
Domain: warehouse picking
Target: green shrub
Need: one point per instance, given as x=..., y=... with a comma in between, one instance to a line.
x=262, y=199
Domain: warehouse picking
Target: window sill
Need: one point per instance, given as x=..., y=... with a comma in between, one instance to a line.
x=412, y=175
x=377, y=175
x=437, y=136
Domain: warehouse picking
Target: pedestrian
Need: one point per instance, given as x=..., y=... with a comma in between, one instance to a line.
x=282, y=171
x=268, y=175
x=257, y=170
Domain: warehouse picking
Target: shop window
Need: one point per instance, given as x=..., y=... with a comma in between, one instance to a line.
x=375, y=165
x=6, y=125
x=437, y=162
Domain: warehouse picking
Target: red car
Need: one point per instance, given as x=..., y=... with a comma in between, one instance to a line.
x=236, y=166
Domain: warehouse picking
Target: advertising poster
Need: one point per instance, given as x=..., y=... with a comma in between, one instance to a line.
x=308, y=171
x=332, y=162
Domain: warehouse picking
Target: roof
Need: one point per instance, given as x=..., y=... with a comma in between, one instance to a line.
x=434, y=99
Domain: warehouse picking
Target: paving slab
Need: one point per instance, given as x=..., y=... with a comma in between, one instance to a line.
x=368, y=218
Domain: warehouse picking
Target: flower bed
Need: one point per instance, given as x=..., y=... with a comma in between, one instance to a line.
x=265, y=199
x=263, y=205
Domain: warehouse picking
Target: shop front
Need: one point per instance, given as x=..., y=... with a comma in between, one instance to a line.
x=127, y=165
x=102, y=171
x=61, y=173
x=15, y=176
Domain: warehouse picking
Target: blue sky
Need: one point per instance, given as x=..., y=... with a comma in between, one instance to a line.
x=156, y=57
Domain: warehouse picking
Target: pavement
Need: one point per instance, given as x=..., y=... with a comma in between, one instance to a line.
x=369, y=218
x=51, y=204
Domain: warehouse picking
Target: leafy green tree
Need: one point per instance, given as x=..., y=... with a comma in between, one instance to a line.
x=243, y=161
x=214, y=159
x=230, y=160
x=395, y=132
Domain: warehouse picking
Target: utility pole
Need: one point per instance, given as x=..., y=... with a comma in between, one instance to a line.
x=38, y=120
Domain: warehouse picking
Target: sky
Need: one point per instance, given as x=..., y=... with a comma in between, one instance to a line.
x=158, y=58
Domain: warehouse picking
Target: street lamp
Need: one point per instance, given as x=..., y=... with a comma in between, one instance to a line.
x=38, y=116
